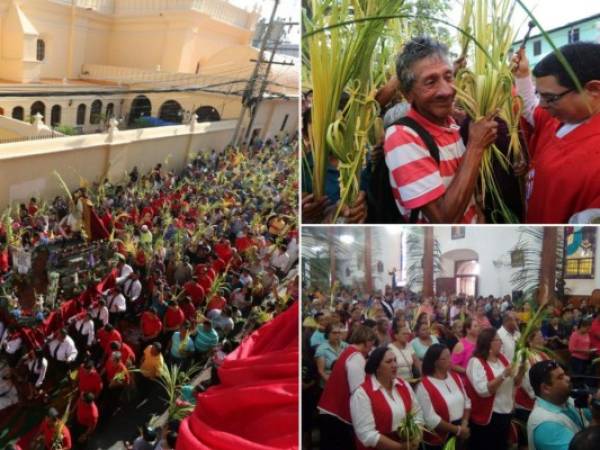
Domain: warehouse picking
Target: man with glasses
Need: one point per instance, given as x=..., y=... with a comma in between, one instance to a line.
x=564, y=146
x=554, y=419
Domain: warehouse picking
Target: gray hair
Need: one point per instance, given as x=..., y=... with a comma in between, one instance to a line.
x=415, y=50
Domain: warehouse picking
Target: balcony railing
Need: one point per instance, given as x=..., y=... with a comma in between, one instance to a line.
x=131, y=75
x=218, y=9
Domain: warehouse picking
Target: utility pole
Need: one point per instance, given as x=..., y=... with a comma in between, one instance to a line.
x=250, y=87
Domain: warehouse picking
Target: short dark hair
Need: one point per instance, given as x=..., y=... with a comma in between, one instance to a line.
x=583, y=58
x=375, y=359
x=541, y=372
x=586, y=439
x=484, y=341
x=415, y=50
x=431, y=356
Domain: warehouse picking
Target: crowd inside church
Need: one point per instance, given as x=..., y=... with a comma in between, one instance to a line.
x=371, y=360
x=192, y=263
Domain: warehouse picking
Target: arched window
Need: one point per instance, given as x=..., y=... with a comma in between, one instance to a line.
x=207, y=114
x=171, y=111
x=140, y=107
x=110, y=110
x=55, y=115
x=96, y=112
x=40, y=50
x=18, y=113
x=38, y=107
x=81, y=114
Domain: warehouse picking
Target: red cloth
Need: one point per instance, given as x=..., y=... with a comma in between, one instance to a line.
x=563, y=175
x=90, y=382
x=174, y=317
x=256, y=405
x=87, y=414
x=482, y=407
x=151, y=324
x=382, y=412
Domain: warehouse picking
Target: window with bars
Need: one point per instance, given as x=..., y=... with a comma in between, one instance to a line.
x=40, y=50
x=537, y=48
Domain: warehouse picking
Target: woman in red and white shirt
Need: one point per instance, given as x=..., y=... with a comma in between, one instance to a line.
x=443, y=399
x=378, y=406
x=490, y=386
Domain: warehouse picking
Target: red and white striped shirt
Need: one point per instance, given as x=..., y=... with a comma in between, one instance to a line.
x=415, y=177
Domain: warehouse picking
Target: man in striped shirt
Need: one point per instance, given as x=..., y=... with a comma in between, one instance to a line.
x=443, y=193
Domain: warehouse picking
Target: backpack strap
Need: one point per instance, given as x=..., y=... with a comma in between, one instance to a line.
x=434, y=150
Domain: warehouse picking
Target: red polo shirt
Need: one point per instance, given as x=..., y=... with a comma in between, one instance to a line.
x=195, y=291
x=217, y=302
x=48, y=431
x=127, y=354
x=106, y=337
x=87, y=414
x=151, y=324
x=563, y=175
x=174, y=317
x=90, y=382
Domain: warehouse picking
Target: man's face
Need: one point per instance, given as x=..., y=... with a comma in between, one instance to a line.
x=433, y=91
x=572, y=107
x=559, y=387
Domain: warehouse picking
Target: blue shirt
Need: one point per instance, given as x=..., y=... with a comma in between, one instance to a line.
x=553, y=435
x=326, y=351
x=317, y=338
x=188, y=346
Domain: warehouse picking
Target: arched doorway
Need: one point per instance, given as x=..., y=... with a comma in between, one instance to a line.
x=18, y=113
x=38, y=107
x=96, y=112
x=460, y=273
x=207, y=114
x=81, y=114
x=140, y=106
x=55, y=115
x=171, y=111
x=110, y=110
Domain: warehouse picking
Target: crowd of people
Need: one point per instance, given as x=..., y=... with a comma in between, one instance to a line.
x=372, y=362
x=427, y=169
x=194, y=262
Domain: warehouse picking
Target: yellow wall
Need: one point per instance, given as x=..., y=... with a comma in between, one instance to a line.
x=29, y=171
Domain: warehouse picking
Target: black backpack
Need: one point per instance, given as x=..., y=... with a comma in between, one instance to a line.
x=381, y=203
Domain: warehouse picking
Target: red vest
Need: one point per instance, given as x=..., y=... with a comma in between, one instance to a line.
x=481, y=407
x=335, y=399
x=522, y=398
x=440, y=406
x=382, y=412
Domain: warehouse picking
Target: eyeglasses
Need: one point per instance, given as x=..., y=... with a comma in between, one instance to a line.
x=553, y=98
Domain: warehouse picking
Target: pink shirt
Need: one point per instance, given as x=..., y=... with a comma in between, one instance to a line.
x=579, y=341
x=462, y=359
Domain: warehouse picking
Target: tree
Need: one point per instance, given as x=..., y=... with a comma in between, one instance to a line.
x=421, y=25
